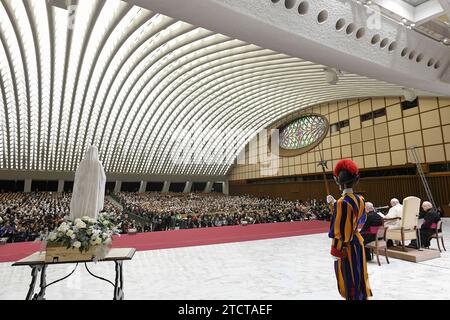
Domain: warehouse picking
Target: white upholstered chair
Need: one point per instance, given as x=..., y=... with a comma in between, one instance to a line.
x=408, y=223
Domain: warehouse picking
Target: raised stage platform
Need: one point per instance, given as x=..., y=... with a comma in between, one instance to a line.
x=412, y=255
x=187, y=237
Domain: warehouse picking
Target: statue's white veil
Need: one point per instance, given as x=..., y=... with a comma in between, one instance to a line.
x=89, y=187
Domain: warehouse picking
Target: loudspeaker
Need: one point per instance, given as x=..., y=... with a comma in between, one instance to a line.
x=331, y=76
x=409, y=94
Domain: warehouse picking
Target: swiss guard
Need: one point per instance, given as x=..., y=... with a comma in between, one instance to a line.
x=347, y=246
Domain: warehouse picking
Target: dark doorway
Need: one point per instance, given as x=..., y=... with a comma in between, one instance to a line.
x=68, y=186
x=217, y=187
x=154, y=186
x=44, y=185
x=177, y=186
x=109, y=188
x=11, y=185
x=130, y=186
x=198, y=187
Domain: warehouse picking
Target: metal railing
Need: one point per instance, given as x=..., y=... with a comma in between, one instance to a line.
x=412, y=150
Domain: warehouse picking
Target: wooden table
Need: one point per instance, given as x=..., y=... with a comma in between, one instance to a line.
x=37, y=263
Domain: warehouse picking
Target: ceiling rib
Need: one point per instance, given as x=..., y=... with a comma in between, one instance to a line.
x=133, y=82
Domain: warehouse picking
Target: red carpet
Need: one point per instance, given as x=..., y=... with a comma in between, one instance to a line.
x=186, y=238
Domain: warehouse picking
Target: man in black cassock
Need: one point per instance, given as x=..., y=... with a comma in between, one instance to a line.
x=373, y=220
x=428, y=228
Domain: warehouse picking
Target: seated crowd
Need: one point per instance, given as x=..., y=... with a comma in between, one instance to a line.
x=30, y=216
x=27, y=217
x=158, y=212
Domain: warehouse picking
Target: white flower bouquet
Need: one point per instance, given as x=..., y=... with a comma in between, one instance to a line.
x=86, y=235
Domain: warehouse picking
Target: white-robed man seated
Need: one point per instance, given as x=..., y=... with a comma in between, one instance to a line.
x=393, y=218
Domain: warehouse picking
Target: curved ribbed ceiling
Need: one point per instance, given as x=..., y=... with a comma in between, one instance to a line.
x=155, y=94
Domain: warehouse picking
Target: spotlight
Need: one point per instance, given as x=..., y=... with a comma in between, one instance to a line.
x=409, y=94
x=331, y=76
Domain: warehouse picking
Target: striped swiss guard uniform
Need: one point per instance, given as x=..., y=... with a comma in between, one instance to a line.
x=351, y=268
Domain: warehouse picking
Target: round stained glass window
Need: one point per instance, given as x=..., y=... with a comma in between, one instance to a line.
x=304, y=132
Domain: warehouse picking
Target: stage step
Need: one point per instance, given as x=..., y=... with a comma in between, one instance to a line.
x=412, y=255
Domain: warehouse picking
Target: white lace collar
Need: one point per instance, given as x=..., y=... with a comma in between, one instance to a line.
x=347, y=190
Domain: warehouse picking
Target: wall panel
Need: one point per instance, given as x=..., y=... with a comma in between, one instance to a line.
x=379, y=142
x=378, y=190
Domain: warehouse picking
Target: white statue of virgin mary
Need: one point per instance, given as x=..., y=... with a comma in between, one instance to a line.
x=89, y=187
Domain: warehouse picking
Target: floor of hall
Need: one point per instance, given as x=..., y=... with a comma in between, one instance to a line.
x=297, y=267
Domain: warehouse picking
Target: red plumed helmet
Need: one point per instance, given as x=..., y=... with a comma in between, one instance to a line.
x=346, y=173
x=348, y=165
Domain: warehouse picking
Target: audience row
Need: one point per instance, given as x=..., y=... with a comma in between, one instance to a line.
x=157, y=211
x=31, y=216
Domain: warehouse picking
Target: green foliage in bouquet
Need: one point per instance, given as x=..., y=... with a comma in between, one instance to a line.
x=85, y=232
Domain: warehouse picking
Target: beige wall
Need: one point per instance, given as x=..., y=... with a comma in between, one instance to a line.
x=381, y=142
